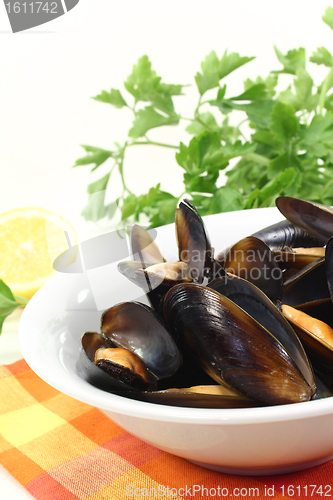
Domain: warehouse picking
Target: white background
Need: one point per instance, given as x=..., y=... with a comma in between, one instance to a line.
x=49, y=74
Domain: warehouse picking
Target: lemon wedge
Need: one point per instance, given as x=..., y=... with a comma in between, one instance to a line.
x=30, y=241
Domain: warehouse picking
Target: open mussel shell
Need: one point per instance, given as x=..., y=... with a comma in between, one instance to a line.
x=329, y=265
x=195, y=397
x=290, y=262
x=149, y=276
x=285, y=234
x=277, y=237
x=252, y=260
x=137, y=327
x=319, y=352
x=193, y=241
x=313, y=218
x=106, y=374
x=309, y=285
x=144, y=248
x=235, y=349
x=155, y=279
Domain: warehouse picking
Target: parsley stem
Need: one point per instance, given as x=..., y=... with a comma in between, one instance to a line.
x=262, y=160
x=324, y=89
x=152, y=143
x=327, y=187
x=243, y=121
x=121, y=168
x=21, y=299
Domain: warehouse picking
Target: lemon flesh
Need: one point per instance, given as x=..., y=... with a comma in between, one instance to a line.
x=30, y=240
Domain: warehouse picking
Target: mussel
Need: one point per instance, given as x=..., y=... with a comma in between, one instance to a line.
x=253, y=260
x=256, y=353
x=313, y=218
x=279, y=236
x=228, y=331
x=136, y=328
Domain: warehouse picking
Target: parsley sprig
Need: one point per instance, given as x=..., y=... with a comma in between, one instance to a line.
x=8, y=302
x=283, y=145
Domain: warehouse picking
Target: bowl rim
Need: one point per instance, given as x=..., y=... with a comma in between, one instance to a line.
x=85, y=392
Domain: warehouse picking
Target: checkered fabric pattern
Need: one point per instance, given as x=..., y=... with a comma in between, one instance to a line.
x=60, y=448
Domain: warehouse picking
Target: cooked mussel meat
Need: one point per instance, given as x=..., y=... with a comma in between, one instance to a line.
x=134, y=348
x=110, y=368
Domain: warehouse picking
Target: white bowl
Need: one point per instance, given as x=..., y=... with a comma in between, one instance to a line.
x=254, y=441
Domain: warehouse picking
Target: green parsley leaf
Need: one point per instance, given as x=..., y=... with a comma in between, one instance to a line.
x=149, y=118
x=209, y=78
x=322, y=56
x=95, y=155
x=95, y=208
x=144, y=84
x=213, y=69
x=226, y=199
x=142, y=79
x=161, y=209
x=8, y=303
x=113, y=97
x=205, y=183
x=266, y=196
x=130, y=206
x=258, y=111
x=230, y=62
x=99, y=185
x=229, y=133
x=158, y=205
x=281, y=163
x=284, y=122
x=206, y=81
x=303, y=85
x=328, y=17
x=205, y=121
x=318, y=134
x=257, y=92
x=293, y=60
x=290, y=98
x=266, y=137
x=199, y=155
x=270, y=84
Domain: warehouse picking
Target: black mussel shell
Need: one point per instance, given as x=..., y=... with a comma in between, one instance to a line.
x=321, y=275
x=307, y=285
x=137, y=327
x=290, y=262
x=193, y=241
x=329, y=266
x=313, y=218
x=105, y=374
x=234, y=348
x=285, y=234
x=249, y=298
x=144, y=248
x=149, y=276
x=252, y=260
x=155, y=283
x=277, y=237
x=184, y=398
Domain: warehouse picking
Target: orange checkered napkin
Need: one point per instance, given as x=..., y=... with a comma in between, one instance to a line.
x=59, y=448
